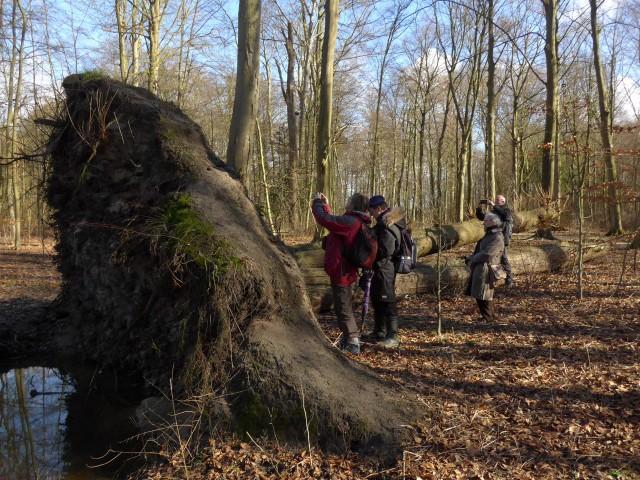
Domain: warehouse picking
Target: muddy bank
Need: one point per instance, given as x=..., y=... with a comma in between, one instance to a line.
x=29, y=283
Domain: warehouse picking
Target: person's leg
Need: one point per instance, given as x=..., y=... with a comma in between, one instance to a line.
x=485, y=309
x=343, y=305
x=379, y=322
x=391, y=320
x=504, y=261
x=491, y=312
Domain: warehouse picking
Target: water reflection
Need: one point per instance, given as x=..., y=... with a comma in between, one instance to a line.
x=54, y=425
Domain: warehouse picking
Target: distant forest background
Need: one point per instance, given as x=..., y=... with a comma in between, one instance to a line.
x=435, y=104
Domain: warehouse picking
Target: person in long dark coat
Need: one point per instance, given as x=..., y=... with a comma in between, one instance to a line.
x=486, y=254
x=505, y=213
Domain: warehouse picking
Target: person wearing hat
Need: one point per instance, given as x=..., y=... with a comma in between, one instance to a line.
x=483, y=263
x=383, y=284
x=503, y=211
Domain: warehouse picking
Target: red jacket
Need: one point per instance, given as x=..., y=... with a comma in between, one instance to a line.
x=342, y=232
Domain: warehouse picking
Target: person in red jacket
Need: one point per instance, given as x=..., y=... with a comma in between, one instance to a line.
x=342, y=232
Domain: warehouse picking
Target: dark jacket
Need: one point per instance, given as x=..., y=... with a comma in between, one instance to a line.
x=487, y=252
x=342, y=232
x=383, y=283
x=506, y=217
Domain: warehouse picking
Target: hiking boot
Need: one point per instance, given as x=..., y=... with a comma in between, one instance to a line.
x=390, y=342
x=376, y=336
x=353, y=348
x=351, y=345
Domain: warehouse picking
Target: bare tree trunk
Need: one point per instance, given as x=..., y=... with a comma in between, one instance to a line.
x=550, y=51
x=244, y=103
x=156, y=11
x=265, y=183
x=14, y=93
x=326, y=95
x=491, y=105
x=135, y=42
x=292, y=126
x=121, y=15
x=605, y=132
x=181, y=53
x=515, y=161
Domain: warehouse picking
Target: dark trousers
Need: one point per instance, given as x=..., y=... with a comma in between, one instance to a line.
x=504, y=261
x=386, y=318
x=486, y=309
x=343, y=306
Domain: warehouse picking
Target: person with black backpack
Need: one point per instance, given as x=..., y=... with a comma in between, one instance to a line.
x=350, y=245
x=389, y=227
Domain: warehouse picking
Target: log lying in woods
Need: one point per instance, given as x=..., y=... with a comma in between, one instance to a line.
x=471, y=231
x=527, y=258
x=169, y=272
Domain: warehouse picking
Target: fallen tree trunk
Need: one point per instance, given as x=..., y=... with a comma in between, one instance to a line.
x=471, y=231
x=169, y=274
x=532, y=257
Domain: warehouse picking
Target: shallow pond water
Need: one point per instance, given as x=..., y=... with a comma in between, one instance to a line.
x=57, y=423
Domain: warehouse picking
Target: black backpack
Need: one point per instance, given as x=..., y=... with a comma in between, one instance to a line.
x=362, y=253
x=406, y=255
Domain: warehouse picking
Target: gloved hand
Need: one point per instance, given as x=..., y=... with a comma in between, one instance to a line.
x=319, y=196
x=365, y=277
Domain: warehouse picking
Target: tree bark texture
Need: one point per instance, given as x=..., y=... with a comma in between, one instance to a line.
x=292, y=127
x=491, y=105
x=323, y=140
x=245, y=98
x=156, y=9
x=551, y=122
x=121, y=15
x=605, y=130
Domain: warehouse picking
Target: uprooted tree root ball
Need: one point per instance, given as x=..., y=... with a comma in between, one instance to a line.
x=169, y=274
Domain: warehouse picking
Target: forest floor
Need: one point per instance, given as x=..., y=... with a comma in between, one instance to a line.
x=551, y=390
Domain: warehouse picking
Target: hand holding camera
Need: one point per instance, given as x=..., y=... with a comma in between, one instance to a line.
x=319, y=196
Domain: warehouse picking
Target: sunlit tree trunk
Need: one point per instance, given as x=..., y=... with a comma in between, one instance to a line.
x=244, y=103
x=121, y=19
x=135, y=42
x=155, y=14
x=292, y=125
x=14, y=93
x=323, y=140
x=491, y=105
x=605, y=132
